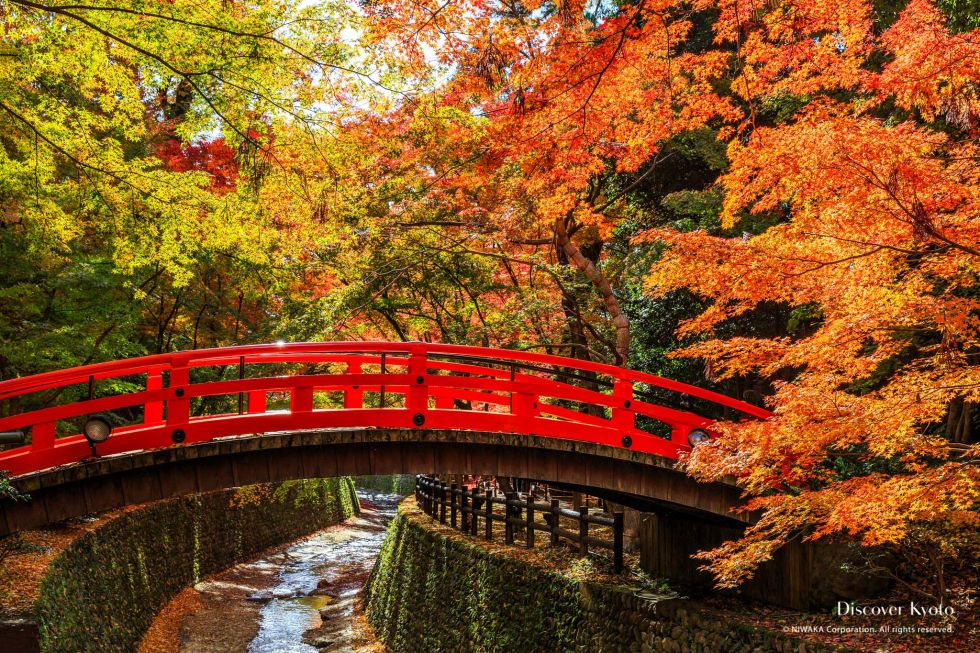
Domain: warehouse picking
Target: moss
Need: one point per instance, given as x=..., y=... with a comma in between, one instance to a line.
x=430, y=591
x=101, y=593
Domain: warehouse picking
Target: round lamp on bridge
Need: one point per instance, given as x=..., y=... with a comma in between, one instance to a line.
x=97, y=429
x=698, y=436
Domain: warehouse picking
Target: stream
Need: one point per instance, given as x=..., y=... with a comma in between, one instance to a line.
x=298, y=600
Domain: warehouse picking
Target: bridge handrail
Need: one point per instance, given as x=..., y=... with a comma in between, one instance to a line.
x=132, y=366
x=461, y=374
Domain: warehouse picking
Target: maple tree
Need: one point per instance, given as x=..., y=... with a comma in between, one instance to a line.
x=786, y=192
x=872, y=192
x=849, y=196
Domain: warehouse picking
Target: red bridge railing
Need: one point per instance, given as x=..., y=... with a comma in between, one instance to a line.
x=196, y=396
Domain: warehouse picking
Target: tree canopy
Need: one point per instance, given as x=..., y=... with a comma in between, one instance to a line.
x=778, y=200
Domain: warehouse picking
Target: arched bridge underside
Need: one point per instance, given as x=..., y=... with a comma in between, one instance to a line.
x=629, y=477
x=105, y=435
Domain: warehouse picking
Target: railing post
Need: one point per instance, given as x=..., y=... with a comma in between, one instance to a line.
x=153, y=410
x=465, y=527
x=179, y=404
x=417, y=397
x=555, y=520
x=488, y=527
x=257, y=401
x=453, y=489
x=43, y=436
x=508, y=526
x=618, y=542
x=430, y=495
x=241, y=377
x=301, y=399
x=524, y=407
x=583, y=530
x=442, y=503
x=354, y=397
x=475, y=514
x=433, y=505
x=529, y=522
x=384, y=372
x=623, y=415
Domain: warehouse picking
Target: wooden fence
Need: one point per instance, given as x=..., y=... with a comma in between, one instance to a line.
x=466, y=508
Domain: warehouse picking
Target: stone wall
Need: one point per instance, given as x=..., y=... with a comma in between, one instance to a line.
x=435, y=591
x=102, y=591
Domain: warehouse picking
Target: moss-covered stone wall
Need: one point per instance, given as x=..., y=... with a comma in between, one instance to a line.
x=101, y=593
x=431, y=591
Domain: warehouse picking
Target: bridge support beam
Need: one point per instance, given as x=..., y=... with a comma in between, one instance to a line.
x=801, y=576
x=107, y=483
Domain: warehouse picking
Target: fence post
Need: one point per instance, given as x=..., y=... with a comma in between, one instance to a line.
x=583, y=530
x=488, y=527
x=508, y=527
x=442, y=503
x=465, y=526
x=555, y=521
x=453, y=489
x=474, y=514
x=529, y=522
x=618, y=542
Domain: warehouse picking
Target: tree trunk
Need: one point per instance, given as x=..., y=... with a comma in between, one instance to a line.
x=959, y=421
x=602, y=284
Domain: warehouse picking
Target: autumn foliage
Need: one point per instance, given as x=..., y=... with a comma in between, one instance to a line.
x=778, y=199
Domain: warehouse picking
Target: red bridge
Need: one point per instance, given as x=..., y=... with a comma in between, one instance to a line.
x=80, y=418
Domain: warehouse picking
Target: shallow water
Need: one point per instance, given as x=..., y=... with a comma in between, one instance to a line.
x=298, y=600
x=319, y=578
